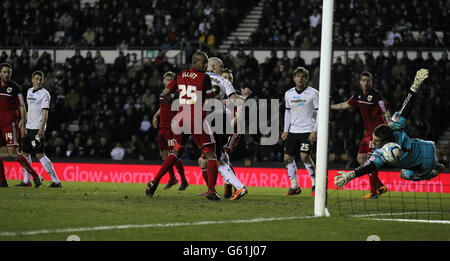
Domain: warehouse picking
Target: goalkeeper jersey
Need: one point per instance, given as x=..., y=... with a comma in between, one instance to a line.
x=418, y=154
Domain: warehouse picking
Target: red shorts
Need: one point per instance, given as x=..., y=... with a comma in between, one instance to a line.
x=233, y=141
x=364, y=145
x=165, y=139
x=9, y=135
x=204, y=141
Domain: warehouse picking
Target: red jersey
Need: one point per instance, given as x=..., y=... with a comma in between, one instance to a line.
x=165, y=114
x=372, y=106
x=194, y=88
x=10, y=100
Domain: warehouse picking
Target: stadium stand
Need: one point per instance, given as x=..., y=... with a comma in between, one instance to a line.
x=356, y=24
x=117, y=23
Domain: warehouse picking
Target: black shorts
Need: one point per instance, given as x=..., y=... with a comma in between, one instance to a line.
x=296, y=142
x=221, y=141
x=221, y=138
x=31, y=145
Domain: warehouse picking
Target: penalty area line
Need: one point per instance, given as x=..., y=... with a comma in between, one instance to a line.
x=131, y=226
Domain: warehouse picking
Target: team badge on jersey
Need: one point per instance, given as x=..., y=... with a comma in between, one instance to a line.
x=9, y=90
x=369, y=98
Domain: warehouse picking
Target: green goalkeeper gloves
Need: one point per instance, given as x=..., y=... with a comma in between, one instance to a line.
x=421, y=75
x=343, y=178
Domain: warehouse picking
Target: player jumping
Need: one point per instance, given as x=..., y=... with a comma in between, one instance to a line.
x=417, y=158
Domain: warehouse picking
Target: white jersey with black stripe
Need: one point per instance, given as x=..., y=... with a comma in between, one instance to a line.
x=303, y=108
x=226, y=87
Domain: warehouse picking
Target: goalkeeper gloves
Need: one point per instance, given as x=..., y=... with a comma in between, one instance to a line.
x=343, y=178
x=421, y=75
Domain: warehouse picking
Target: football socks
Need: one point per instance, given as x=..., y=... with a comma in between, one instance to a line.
x=212, y=175
x=229, y=176
x=48, y=166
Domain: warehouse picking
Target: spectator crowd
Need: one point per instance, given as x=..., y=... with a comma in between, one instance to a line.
x=104, y=111
x=115, y=23
x=140, y=23
x=379, y=23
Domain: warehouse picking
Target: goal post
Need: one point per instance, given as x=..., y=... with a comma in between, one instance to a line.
x=324, y=105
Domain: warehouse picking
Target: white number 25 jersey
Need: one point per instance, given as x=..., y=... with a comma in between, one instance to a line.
x=303, y=107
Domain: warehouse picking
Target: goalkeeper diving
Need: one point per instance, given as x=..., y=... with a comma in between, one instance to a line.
x=393, y=147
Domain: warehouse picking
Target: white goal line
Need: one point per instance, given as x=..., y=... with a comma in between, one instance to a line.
x=369, y=216
x=395, y=214
x=414, y=220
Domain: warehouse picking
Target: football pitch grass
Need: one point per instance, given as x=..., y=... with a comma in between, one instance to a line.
x=122, y=212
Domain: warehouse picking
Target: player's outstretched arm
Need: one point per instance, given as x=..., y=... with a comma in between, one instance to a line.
x=239, y=99
x=340, y=106
x=409, y=101
x=345, y=177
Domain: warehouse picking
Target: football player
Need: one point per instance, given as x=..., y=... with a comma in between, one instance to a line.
x=300, y=128
x=12, y=121
x=38, y=100
x=417, y=160
x=374, y=112
x=165, y=135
